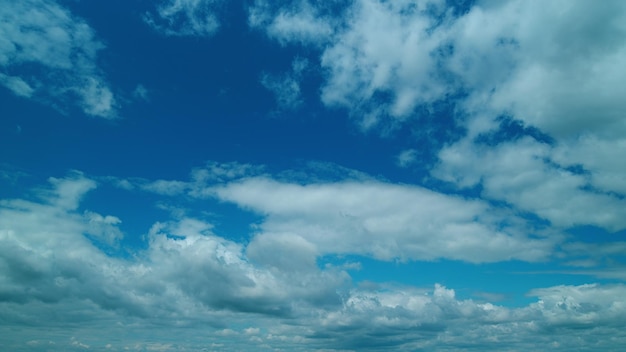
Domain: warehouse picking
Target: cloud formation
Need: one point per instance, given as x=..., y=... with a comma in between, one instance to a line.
x=50, y=55
x=269, y=292
x=520, y=62
x=185, y=17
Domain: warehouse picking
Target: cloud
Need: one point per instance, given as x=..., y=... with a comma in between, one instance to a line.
x=520, y=173
x=141, y=93
x=286, y=87
x=185, y=17
x=389, y=63
x=49, y=243
x=268, y=293
x=49, y=55
x=17, y=85
x=368, y=217
x=374, y=49
x=301, y=22
x=406, y=157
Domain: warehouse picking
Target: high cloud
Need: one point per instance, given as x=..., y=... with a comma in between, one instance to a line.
x=268, y=293
x=48, y=54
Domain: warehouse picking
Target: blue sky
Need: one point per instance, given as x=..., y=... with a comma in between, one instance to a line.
x=312, y=176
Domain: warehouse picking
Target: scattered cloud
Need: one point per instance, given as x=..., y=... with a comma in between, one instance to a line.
x=536, y=90
x=387, y=62
x=406, y=158
x=185, y=17
x=189, y=277
x=50, y=55
x=286, y=87
x=368, y=217
x=141, y=93
x=520, y=173
x=300, y=22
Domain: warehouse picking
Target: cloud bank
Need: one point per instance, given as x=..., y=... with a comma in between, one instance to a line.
x=268, y=293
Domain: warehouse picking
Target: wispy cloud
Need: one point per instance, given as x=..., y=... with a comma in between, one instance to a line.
x=49, y=55
x=286, y=86
x=185, y=17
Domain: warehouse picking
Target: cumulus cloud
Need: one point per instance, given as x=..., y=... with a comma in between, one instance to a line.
x=49, y=54
x=269, y=292
x=385, y=221
x=185, y=17
x=368, y=217
x=49, y=242
x=520, y=173
x=387, y=62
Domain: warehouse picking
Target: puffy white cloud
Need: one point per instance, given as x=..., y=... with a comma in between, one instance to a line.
x=554, y=68
x=520, y=173
x=186, y=271
x=185, y=17
x=268, y=293
x=385, y=49
x=383, y=220
x=60, y=53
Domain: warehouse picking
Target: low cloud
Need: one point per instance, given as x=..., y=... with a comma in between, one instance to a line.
x=269, y=292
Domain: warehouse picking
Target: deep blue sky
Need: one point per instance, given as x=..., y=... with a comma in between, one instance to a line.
x=349, y=175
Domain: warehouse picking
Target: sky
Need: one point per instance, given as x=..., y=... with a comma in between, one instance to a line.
x=346, y=175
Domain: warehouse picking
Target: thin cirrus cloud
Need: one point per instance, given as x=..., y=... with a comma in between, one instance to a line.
x=49, y=55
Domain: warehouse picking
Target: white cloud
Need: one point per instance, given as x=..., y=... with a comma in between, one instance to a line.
x=17, y=85
x=564, y=80
x=185, y=17
x=522, y=59
x=520, y=173
x=383, y=220
x=46, y=35
x=351, y=213
x=300, y=22
x=220, y=290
